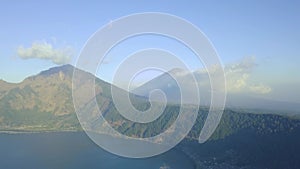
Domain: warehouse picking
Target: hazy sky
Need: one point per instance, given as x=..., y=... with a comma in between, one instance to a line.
x=37, y=35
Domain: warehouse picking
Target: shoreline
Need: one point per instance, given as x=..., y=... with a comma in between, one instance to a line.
x=35, y=131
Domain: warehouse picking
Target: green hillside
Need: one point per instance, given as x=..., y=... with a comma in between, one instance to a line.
x=44, y=103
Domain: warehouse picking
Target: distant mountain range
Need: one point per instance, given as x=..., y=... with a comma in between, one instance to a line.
x=44, y=102
x=166, y=83
x=244, y=137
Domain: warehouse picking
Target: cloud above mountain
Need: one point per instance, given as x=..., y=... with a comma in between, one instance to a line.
x=46, y=51
x=239, y=77
x=239, y=74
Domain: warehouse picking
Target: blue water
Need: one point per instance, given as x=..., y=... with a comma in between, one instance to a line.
x=74, y=150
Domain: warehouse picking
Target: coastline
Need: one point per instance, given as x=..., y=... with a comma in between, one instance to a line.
x=35, y=131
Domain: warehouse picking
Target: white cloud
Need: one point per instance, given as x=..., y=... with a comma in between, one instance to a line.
x=239, y=78
x=44, y=50
x=237, y=74
x=260, y=88
x=238, y=83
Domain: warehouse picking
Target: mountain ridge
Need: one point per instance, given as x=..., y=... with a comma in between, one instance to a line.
x=44, y=102
x=168, y=85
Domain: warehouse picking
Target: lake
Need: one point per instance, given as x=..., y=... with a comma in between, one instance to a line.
x=74, y=150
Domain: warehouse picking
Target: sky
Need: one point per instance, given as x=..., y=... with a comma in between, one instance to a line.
x=37, y=35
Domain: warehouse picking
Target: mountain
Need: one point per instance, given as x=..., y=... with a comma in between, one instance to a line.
x=168, y=85
x=41, y=102
x=44, y=102
x=243, y=139
x=164, y=82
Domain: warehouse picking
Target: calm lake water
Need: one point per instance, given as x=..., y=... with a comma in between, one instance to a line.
x=74, y=150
